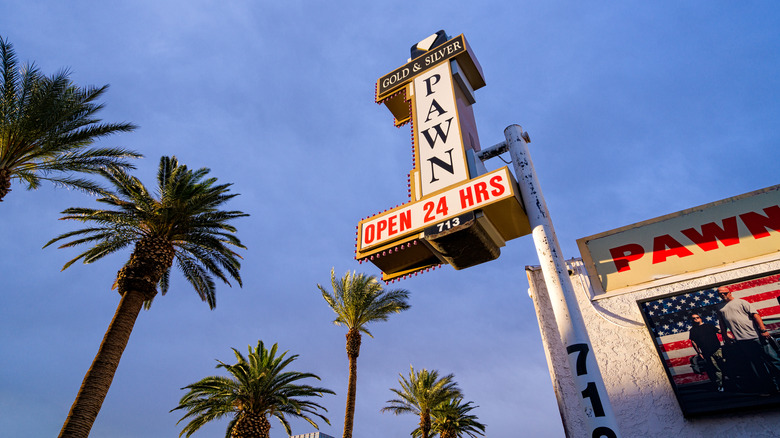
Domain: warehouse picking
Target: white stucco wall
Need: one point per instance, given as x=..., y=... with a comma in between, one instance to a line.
x=639, y=390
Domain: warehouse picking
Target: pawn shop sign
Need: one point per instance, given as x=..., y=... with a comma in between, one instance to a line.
x=458, y=213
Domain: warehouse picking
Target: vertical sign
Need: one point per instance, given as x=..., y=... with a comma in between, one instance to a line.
x=468, y=213
x=439, y=146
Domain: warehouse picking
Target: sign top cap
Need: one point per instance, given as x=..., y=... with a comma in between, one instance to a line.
x=429, y=43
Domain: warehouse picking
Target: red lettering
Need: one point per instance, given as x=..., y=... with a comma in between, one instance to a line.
x=392, y=221
x=380, y=226
x=441, y=207
x=466, y=198
x=498, y=188
x=368, y=234
x=406, y=220
x=622, y=255
x=666, y=246
x=429, y=216
x=707, y=240
x=757, y=223
x=480, y=190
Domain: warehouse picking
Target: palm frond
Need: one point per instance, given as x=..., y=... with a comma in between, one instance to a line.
x=47, y=125
x=200, y=280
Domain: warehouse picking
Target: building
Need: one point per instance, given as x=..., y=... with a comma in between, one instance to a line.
x=640, y=330
x=312, y=435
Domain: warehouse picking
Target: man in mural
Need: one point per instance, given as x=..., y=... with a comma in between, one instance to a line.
x=704, y=339
x=752, y=338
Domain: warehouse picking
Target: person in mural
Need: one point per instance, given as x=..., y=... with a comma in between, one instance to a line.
x=747, y=331
x=704, y=339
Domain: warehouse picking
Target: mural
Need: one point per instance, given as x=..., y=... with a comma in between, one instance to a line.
x=719, y=344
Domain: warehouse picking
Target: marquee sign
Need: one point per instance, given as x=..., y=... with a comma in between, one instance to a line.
x=458, y=213
x=478, y=193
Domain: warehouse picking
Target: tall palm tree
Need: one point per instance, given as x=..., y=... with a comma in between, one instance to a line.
x=46, y=125
x=358, y=300
x=451, y=419
x=420, y=394
x=183, y=223
x=258, y=387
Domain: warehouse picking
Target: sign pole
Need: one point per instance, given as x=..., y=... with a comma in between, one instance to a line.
x=597, y=409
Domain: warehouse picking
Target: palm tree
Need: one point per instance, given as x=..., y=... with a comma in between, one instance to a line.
x=420, y=394
x=184, y=223
x=451, y=419
x=258, y=387
x=358, y=300
x=46, y=125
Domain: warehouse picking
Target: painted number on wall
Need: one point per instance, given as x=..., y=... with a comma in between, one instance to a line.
x=591, y=391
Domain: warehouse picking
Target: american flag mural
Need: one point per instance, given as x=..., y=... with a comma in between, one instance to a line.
x=669, y=320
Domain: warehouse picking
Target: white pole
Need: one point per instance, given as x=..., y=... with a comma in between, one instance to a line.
x=597, y=409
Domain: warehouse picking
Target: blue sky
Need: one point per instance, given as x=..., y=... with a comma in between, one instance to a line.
x=635, y=110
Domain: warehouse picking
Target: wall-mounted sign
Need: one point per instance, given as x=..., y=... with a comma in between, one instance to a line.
x=709, y=366
x=476, y=211
x=704, y=237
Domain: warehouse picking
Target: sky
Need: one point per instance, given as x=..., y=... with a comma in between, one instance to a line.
x=634, y=109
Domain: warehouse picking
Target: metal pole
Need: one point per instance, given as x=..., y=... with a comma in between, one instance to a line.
x=599, y=416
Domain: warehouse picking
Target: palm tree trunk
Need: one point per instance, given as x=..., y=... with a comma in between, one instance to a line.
x=251, y=425
x=99, y=376
x=353, y=351
x=137, y=282
x=5, y=183
x=425, y=424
